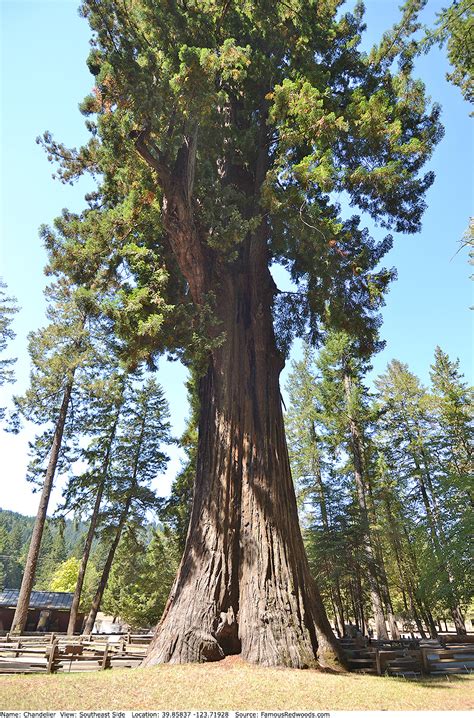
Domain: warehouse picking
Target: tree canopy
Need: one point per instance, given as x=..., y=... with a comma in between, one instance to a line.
x=259, y=113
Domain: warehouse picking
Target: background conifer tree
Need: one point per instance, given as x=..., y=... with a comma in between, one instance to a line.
x=137, y=459
x=58, y=353
x=409, y=426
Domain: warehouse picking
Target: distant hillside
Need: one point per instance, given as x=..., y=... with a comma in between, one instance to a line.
x=61, y=539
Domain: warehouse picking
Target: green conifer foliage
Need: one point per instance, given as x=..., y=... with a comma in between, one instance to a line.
x=137, y=459
x=455, y=29
x=8, y=309
x=141, y=577
x=410, y=436
x=220, y=135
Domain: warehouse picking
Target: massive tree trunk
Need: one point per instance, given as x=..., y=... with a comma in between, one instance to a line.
x=21, y=612
x=244, y=584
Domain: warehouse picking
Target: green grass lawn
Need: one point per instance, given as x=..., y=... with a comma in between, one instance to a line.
x=231, y=685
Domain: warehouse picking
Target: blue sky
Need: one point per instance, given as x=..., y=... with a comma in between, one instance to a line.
x=44, y=46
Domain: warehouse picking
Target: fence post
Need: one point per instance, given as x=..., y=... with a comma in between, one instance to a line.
x=53, y=654
x=105, y=658
x=424, y=660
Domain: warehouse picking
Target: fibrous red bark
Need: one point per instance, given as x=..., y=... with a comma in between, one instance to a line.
x=244, y=584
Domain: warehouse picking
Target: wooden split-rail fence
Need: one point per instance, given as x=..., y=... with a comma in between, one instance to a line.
x=43, y=653
x=59, y=653
x=409, y=658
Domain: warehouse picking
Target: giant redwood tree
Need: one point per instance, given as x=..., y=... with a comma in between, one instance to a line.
x=221, y=133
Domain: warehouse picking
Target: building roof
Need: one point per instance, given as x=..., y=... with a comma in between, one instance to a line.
x=38, y=599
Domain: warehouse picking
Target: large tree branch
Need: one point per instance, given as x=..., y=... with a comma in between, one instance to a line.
x=152, y=156
x=178, y=216
x=185, y=164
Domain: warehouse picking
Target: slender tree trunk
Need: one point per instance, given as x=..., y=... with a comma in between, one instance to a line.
x=84, y=561
x=338, y=608
x=385, y=593
x=458, y=619
x=417, y=618
x=21, y=612
x=355, y=612
x=90, y=535
x=425, y=484
x=382, y=573
x=431, y=623
x=360, y=602
x=330, y=573
x=361, y=488
x=394, y=631
x=244, y=583
x=334, y=614
x=96, y=601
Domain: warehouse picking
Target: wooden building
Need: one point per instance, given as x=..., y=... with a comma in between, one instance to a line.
x=48, y=610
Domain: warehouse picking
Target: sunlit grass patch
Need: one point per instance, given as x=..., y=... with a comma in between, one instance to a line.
x=231, y=684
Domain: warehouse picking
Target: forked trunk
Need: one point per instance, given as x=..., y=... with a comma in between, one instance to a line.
x=433, y=631
x=244, y=584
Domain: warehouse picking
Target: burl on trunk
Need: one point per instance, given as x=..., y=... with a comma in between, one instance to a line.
x=244, y=584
